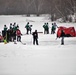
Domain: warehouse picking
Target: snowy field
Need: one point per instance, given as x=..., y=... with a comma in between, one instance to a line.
x=48, y=58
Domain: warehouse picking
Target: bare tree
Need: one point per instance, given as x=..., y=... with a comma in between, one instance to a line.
x=56, y=8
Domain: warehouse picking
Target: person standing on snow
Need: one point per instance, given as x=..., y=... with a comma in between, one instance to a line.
x=35, y=37
x=11, y=31
x=1, y=37
x=4, y=32
x=30, y=28
x=62, y=35
x=18, y=34
x=44, y=26
x=55, y=26
x=47, y=28
x=52, y=29
x=10, y=26
x=27, y=27
x=14, y=32
x=5, y=28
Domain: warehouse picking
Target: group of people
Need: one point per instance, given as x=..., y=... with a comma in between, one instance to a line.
x=10, y=34
x=53, y=28
x=13, y=33
x=46, y=28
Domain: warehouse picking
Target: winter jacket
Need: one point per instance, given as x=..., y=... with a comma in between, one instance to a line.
x=5, y=29
x=35, y=35
x=14, y=28
x=27, y=26
x=44, y=26
x=1, y=37
x=18, y=32
x=53, y=28
x=62, y=33
x=11, y=27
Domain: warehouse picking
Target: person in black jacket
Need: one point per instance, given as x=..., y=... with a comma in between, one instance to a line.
x=62, y=35
x=35, y=37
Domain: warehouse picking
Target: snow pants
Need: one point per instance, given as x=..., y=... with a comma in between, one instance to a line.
x=62, y=41
x=35, y=40
x=19, y=38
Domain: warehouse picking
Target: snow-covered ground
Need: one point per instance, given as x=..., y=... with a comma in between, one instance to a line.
x=48, y=58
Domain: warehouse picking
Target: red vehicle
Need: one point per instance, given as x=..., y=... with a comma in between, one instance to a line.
x=69, y=32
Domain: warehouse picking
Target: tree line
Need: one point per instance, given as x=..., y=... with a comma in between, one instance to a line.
x=56, y=8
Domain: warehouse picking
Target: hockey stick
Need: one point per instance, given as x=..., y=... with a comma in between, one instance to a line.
x=23, y=43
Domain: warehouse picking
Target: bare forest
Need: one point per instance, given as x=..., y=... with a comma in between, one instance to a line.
x=56, y=8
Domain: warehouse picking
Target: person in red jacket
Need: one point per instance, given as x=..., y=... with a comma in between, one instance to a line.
x=1, y=38
x=18, y=34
